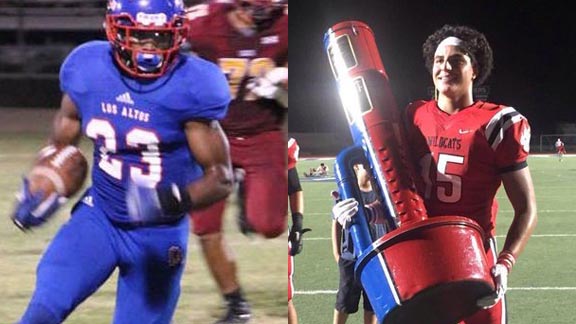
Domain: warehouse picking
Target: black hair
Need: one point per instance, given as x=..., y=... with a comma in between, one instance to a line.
x=474, y=43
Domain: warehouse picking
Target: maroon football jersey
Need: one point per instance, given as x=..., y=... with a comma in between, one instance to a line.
x=241, y=58
x=462, y=156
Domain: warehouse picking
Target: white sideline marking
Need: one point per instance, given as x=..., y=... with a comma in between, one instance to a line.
x=333, y=292
x=540, y=155
x=315, y=292
x=18, y=155
x=551, y=155
x=540, y=211
x=498, y=236
x=542, y=288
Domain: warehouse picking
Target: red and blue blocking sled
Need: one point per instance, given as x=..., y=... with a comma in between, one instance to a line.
x=424, y=270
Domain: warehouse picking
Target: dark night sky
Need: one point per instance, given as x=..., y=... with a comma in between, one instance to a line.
x=533, y=44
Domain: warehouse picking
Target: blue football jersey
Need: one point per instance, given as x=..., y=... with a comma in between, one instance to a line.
x=137, y=126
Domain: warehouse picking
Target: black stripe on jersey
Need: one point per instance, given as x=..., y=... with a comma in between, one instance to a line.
x=503, y=120
x=293, y=181
x=514, y=167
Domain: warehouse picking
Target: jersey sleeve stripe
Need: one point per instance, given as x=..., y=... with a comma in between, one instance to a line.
x=514, y=167
x=509, y=122
x=200, y=10
x=498, y=125
x=493, y=123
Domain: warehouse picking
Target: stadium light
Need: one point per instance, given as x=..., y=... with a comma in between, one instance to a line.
x=352, y=91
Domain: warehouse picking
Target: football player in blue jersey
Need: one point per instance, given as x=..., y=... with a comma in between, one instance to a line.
x=152, y=114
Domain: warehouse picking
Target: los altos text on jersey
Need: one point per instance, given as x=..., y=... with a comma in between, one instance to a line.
x=132, y=113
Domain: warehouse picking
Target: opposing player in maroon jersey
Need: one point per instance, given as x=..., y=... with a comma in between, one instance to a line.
x=249, y=41
x=467, y=148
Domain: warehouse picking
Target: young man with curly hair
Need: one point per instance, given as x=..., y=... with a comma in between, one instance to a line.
x=491, y=147
x=464, y=149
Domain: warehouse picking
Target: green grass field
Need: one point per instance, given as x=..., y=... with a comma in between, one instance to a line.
x=542, y=285
x=262, y=263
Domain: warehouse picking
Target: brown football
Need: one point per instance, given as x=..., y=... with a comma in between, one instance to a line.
x=61, y=169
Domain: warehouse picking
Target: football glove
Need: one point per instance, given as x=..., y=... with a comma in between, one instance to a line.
x=296, y=232
x=31, y=210
x=157, y=205
x=270, y=86
x=344, y=210
x=500, y=275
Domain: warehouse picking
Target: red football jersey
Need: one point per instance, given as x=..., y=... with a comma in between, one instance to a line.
x=462, y=156
x=293, y=151
x=560, y=146
x=241, y=58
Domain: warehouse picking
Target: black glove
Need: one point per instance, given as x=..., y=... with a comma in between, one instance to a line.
x=175, y=200
x=296, y=232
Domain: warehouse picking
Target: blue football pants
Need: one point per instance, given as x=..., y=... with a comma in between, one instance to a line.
x=86, y=251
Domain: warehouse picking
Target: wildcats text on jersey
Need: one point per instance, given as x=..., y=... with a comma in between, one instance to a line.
x=444, y=142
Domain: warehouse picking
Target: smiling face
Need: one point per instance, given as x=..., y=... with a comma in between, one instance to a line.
x=452, y=72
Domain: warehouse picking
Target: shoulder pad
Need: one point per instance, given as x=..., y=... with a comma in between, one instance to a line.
x=491, y=106
x=204, y=90
x=73, y=69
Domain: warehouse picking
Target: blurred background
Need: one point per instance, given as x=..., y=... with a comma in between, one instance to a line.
x=35, y=37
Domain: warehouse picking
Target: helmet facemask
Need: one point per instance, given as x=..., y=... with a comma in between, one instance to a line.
x=145, y=50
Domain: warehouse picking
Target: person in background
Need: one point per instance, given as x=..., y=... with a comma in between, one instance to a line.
x=349, y=289
x=248, y=39
x=296, y=201
x=320, y=171
x=560, y=149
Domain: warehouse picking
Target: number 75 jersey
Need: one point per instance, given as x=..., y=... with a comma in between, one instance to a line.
x=242, y=57
x=461, y=157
